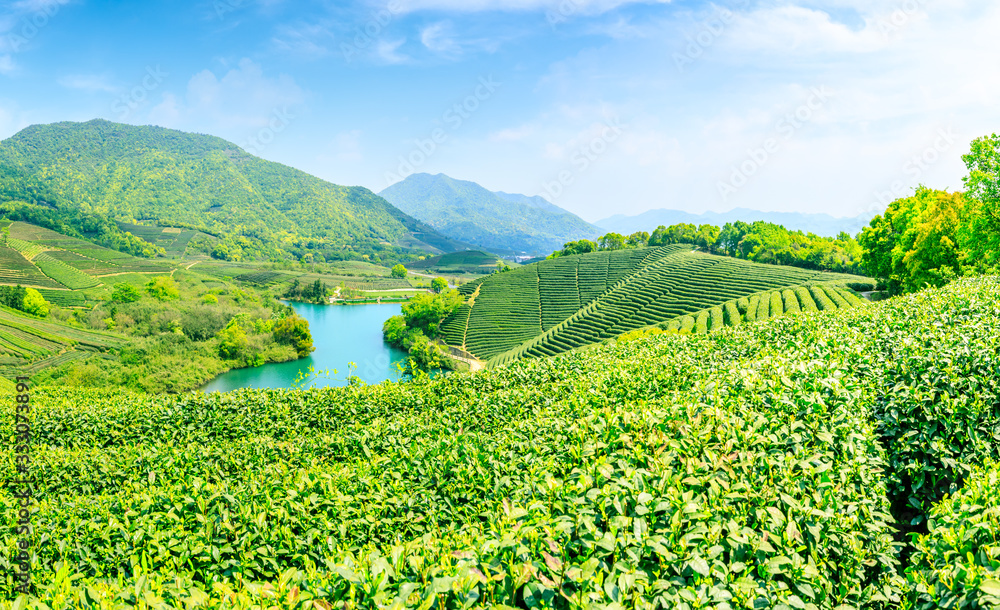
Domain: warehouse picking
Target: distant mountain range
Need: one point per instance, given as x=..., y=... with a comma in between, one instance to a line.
x=820, y=224
x=73, y=173
x=502, y=223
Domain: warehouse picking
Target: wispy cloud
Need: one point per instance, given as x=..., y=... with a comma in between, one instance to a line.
x=309, y=40
x=387, y=52
x=243, y=99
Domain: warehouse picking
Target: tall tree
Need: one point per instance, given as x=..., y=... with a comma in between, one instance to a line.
x=915, y=242
x=980, y=231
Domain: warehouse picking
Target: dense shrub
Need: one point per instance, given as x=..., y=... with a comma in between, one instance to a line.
x=957, y=564
x=756, y=467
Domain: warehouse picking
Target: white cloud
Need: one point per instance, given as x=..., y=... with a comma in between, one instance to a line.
x=7, y=64
x=237, y=106
x=306, y=40
x=386, y=51
x=514, y=134
x=438, y=37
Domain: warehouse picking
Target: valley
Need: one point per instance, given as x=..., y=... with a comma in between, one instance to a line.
x=696, y=416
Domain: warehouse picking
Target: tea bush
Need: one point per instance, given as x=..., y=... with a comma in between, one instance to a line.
x=770, y=465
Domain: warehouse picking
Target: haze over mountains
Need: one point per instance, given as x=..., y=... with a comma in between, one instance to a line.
x=254, y=208
x=820, y=224
x=502, y=223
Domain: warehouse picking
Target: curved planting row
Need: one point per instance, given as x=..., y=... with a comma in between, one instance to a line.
x=685, y=284
x=63, y=273
x=515, y=306
x=816, y=462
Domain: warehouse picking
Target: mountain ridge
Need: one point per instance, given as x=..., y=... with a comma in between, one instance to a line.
x=258, y=208
x=501, y=222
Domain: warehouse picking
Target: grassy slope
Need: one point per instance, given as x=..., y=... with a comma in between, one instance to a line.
x=150, y=173
x=546, y=308
x=28, y=344
x=470, y=261
x=750, y=468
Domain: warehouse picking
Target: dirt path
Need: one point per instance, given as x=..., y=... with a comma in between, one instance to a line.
x=474, y=365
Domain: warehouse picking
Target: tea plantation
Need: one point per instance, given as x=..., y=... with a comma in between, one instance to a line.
x=556, y=305
x=827, y=460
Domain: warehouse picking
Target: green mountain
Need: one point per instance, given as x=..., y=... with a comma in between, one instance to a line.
x=500, y=222
x=79, y=172
x=559, y=304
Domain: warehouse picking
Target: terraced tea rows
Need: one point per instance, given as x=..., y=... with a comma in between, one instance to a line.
x=63, y=273
x=560, y=304
x=15, y=269
x=782, y=465
x=517, y=305
x=173, y=240
x=28, y=344
x=52, y=260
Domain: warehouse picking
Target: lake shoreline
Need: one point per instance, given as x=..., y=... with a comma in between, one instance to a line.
x=342, y=336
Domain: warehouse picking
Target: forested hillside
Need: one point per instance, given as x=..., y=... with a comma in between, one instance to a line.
x=558, y=304
x=801, y=462
x=257, y=209
x=499, y=222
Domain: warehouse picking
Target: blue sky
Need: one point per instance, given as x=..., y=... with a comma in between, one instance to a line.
x=602, y=106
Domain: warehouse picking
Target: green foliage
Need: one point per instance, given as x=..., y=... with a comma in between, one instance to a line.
x=79, y=178
x=233, y=343
x=439, y=284
x=979, y=232
x=66, y=220
x=571, y=301
x=746, y=468
x=467, y=261
x=915, y=243
x=125, y=293
x=294, y=330
x=163, y=288
x=316, y=292
x=582, y=246
x=34, y=303
x=398, y=271
x=13, y=296
x=760, y=242
x=957, y=563
x=421, y=322
x=426, y=312
x=940, y=410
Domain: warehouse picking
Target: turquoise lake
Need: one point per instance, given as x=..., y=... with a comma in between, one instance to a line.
x=341, y=334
